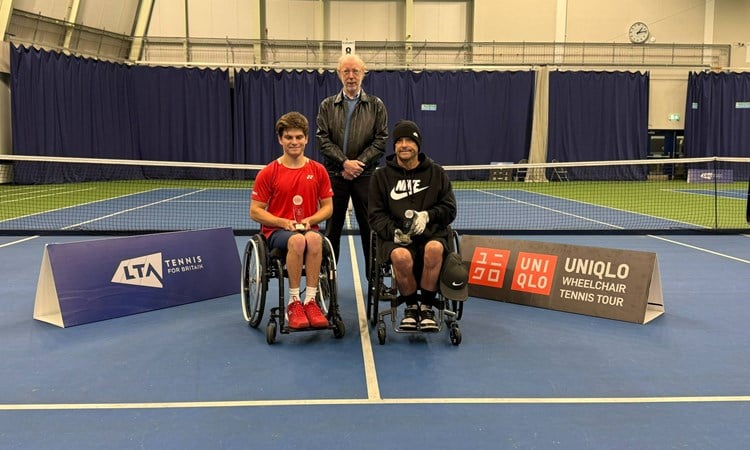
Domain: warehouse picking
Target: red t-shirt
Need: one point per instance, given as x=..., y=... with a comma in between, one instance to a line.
x=278, y=186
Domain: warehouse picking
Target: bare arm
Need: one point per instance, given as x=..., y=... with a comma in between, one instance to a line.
x=259, y=213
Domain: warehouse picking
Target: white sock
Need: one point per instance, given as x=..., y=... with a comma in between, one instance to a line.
x=310, y=293
x=293, y=292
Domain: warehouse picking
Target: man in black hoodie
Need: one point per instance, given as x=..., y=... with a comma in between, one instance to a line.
x=411, y=204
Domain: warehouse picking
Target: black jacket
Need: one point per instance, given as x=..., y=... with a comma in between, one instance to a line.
x=394, y=189
x=368, y=132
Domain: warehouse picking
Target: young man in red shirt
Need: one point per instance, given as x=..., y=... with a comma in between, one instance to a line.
x=291, y=196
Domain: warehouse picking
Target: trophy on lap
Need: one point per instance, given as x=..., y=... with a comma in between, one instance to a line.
x=299, y=213
x=404, y=237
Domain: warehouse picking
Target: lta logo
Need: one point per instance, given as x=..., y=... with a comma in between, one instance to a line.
x=141, y=271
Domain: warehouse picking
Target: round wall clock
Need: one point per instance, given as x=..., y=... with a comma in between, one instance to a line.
x=638, y=33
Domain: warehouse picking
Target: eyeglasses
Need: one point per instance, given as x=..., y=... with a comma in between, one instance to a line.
x=351, y=71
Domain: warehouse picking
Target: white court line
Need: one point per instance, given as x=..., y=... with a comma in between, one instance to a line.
x=46, y=195
x=125, y=211
x=78, y=205
x=557, y=211
x=701, y=249
x=21, y=191
x=392, y=401
x=371, y=375
x=8, y=244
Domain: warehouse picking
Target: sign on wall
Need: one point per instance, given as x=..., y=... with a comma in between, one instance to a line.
x=348, y=47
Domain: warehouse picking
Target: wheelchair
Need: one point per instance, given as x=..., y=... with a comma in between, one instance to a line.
x=260, y=266
x=382, y=288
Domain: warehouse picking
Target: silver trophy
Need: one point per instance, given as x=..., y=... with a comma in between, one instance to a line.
x=298, y=212
x=409, y=214
x=404, y=237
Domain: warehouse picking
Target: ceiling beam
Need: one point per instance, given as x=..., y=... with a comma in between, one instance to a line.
x=142, y=19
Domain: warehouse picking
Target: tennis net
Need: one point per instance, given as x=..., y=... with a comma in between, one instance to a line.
x=67, y=195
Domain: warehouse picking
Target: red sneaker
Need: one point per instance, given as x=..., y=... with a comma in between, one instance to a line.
x=295, y=315
x=315, y=315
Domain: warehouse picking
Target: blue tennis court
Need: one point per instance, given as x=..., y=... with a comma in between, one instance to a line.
x=196, y=376
x=478, y=209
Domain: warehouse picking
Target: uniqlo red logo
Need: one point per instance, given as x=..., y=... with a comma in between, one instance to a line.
x=534, y=273
x=488, y=266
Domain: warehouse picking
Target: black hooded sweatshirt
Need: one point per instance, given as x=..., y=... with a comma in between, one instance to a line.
x=393, y=190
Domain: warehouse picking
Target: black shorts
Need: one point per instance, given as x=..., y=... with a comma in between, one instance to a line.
x=416, y=248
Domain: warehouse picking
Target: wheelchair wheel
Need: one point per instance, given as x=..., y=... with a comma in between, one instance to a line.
x=381, y=332
x=373, y=282
x=457, y=307
x=327, y=291
x=254, y=283
x=338, y=328
x=271, y=332
x=455, y=334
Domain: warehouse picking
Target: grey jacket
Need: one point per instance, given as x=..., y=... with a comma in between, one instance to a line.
x=368, y=132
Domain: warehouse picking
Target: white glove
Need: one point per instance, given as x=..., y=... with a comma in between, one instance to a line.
x=421, y=219
x=401, y=238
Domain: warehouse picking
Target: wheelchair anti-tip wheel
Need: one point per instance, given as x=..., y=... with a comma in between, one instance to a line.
x=254, y=282
x=271, y=332
x=455, y=334
x=338, y=328
x=381, y=332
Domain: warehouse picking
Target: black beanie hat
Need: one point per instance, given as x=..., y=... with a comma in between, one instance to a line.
x=407, y=128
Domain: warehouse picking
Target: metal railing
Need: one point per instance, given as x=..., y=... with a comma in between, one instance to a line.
x=40, y=31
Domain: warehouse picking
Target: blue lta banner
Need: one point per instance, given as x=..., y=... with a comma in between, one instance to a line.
x=89, y=281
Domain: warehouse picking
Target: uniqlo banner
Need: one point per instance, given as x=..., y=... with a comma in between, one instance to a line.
x=89, y=281
x=602, y=282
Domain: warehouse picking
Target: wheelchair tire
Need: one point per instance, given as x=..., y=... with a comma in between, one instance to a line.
x=373, y=296
x=338, y=328
x=271, y=332
x=457, y=307
x=455, y=334
x=327, y=288
x=373, y=282
x=254, y=282
x=381, y=332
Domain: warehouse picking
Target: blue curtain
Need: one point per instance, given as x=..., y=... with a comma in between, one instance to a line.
x=261, y=97
x=599, y=116
x=182, y=114
x=67, y=106
x=79, y=107
x=717, y=115
x=465, y=117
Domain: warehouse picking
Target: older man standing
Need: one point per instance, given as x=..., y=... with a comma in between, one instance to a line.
x=352, y=133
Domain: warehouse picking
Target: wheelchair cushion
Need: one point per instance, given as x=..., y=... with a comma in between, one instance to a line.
x=454, y=278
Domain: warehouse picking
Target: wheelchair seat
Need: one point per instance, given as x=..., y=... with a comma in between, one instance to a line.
x=382, y=288
x=260, y=266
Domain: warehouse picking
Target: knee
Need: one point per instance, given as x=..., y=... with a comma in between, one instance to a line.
x=401, y=260
x=296, y=244
x=314, y=243
x=433, y=254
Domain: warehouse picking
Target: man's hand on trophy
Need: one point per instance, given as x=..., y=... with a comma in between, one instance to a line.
x=421, y=219
x=401, y=238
